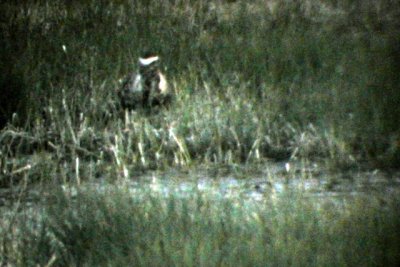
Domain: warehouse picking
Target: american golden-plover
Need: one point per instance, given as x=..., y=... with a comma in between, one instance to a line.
x=147, y=87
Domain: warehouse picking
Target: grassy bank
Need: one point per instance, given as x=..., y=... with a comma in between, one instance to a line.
x=119, y=227
x=270, y=79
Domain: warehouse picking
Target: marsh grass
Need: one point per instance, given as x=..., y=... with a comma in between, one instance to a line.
x=275, y=79
x=267, y=80
x=115, y=226
x=281, y=80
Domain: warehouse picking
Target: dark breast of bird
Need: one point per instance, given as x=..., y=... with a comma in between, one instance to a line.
x=145, y=88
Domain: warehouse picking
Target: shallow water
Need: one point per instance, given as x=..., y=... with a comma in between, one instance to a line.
x=245, y=187
x=255, y=187
x=244, y=182
x=275, y=178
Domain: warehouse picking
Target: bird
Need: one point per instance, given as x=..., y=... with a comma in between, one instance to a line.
x=147, y=87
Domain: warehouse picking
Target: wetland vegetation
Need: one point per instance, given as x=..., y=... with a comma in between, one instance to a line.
x=257, y=84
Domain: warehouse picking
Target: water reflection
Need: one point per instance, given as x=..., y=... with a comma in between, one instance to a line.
x=275, y=180
x=249, y=186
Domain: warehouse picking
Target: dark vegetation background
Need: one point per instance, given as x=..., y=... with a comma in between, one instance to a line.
x=328, y=66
